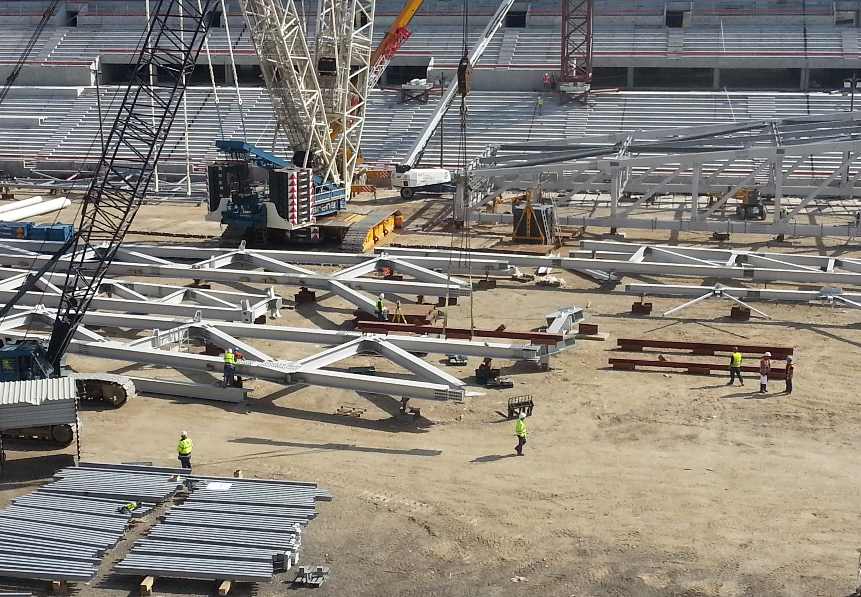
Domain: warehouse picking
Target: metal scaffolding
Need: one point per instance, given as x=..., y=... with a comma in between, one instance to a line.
x=813, y=158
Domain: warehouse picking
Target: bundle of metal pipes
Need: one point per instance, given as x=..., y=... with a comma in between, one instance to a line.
x=62, y=531
x=227, y=529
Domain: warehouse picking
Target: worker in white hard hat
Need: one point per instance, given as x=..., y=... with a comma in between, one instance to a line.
x=184, y=450
x=764, y=370
x=520, y=432
x=381, y=308
x=790, y=372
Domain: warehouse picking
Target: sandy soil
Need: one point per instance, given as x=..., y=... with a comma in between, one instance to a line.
x=633, y=483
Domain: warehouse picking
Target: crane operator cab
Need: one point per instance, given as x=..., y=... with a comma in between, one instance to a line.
x=24, y=360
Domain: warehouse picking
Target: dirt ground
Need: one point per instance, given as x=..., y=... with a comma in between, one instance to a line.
x=633, y=483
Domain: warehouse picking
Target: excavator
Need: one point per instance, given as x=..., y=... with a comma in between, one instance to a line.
x=119, y=184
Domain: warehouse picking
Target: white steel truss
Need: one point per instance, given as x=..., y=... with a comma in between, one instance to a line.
x=166, y=334
x=813, y=159
x=823, y=296
x=266, y=267
x=617, y=258
x=148, y=298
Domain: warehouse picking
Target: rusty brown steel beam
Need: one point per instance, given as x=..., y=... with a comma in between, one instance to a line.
x=690, y=366
x=637, y=344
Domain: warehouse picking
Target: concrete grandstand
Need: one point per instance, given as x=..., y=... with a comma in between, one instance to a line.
x=661, y=63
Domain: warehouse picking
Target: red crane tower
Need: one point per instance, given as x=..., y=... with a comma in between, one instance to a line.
x=576, y=71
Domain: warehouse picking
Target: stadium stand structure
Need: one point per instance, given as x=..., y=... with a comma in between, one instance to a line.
x=736, y=53
x=60, y=133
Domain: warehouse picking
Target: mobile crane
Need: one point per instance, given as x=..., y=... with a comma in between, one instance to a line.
x=319, y=101
x=119, y=184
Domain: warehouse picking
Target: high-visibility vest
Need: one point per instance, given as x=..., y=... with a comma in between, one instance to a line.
x=520, y=428
x=380, y=305
x=184, y=447
x=229, y=359
x=736, y=359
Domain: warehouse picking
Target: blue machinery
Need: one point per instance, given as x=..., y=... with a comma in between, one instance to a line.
x=259, y=195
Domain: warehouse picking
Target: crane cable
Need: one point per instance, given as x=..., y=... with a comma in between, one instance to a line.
x=463, y=248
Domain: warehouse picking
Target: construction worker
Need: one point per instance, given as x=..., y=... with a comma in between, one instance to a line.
x=183, y=450
x=735, y=366
x=764, y=370
x=547, y=81
x=381, y=308
x=539, y=105
x=229, y=367
x=790, y=371
x=520, y=432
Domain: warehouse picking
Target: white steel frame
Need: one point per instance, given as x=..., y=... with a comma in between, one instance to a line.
x=719, y=160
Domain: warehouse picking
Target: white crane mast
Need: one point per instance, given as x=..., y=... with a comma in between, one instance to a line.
x=291, y=78
x=318, y=100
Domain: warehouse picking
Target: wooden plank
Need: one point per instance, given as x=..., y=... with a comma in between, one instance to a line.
x=146, y=586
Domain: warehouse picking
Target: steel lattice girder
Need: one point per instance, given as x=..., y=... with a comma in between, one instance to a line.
x=282, y=372
x=683, y=262
x=576, y=41
x=136, y=297
x=215, y=268
x=829, y=296
x=773, y=156
x=154, y=349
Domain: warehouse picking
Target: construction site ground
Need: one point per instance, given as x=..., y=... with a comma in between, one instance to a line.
x=633, y=483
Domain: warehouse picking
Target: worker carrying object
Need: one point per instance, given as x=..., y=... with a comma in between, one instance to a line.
x=520, y=432
x=229, y=367
x=735, y=366
x=184, y=450
x=381, y=308
x=790, y=371
x=764, y=370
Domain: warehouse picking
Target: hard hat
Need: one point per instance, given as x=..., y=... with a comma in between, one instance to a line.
x=768, y=354
x=521, y=416
x=382, y=295
x=789, y=359
x=184, y=434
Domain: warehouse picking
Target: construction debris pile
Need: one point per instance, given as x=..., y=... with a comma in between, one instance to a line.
x=225, y=529
x=233, y=529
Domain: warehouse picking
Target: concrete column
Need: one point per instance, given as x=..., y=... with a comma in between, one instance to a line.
x=630, y=82
x=228, y=74
x=805, y=79
x=716, y=78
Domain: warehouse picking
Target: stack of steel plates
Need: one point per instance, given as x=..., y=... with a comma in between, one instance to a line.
x=63, y=529
x=228, y=529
